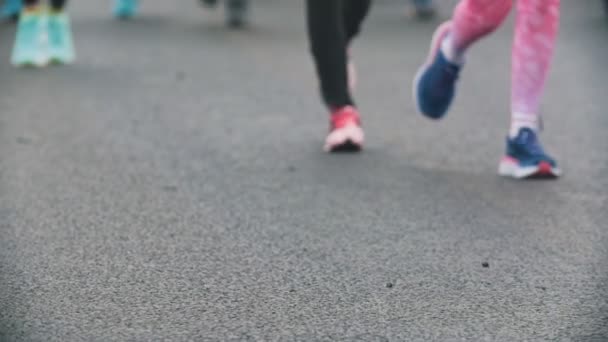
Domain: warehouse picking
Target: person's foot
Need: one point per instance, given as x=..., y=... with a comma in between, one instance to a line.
x=345, y=132
x=10, y=9
x=526, y=158
x=236, y=13
x=125, y=9
x=435, y=84
x=28, y=49
x=61, y=45
x=209, y=3
x=423, y=9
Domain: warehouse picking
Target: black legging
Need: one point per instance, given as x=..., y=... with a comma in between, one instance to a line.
x=57, y=5
x=332, y=24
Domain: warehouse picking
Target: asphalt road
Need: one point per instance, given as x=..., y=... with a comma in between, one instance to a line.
x=170, y=186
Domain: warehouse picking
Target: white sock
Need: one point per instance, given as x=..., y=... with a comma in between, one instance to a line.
x=523, y=120
x=452, y=54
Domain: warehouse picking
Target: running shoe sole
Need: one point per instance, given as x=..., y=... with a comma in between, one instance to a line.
x=60, y=61
x=38, y=62
x=346, y=139
x=509, y=167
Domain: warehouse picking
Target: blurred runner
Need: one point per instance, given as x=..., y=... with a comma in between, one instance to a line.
x=535, y=35
x=332, y=25
x=10, y=9
x=43, y=36
x=237, y=11
x=423, y=8
x=125, y=9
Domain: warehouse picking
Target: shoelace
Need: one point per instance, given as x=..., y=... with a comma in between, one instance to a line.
x=344, y=118
x=447, y=73
x=531, y=143
x=450, y=72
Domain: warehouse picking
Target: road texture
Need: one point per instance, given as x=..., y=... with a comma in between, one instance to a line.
x=170, y=186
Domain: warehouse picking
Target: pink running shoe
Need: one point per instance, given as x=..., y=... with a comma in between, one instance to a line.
x=345, y=132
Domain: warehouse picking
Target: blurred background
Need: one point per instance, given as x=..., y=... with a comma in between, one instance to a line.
x=170, y=185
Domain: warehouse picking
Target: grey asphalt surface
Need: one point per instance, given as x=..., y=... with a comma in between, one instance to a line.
x=170, y=186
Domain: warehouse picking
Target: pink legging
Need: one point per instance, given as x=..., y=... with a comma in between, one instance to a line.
x=536, y=29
